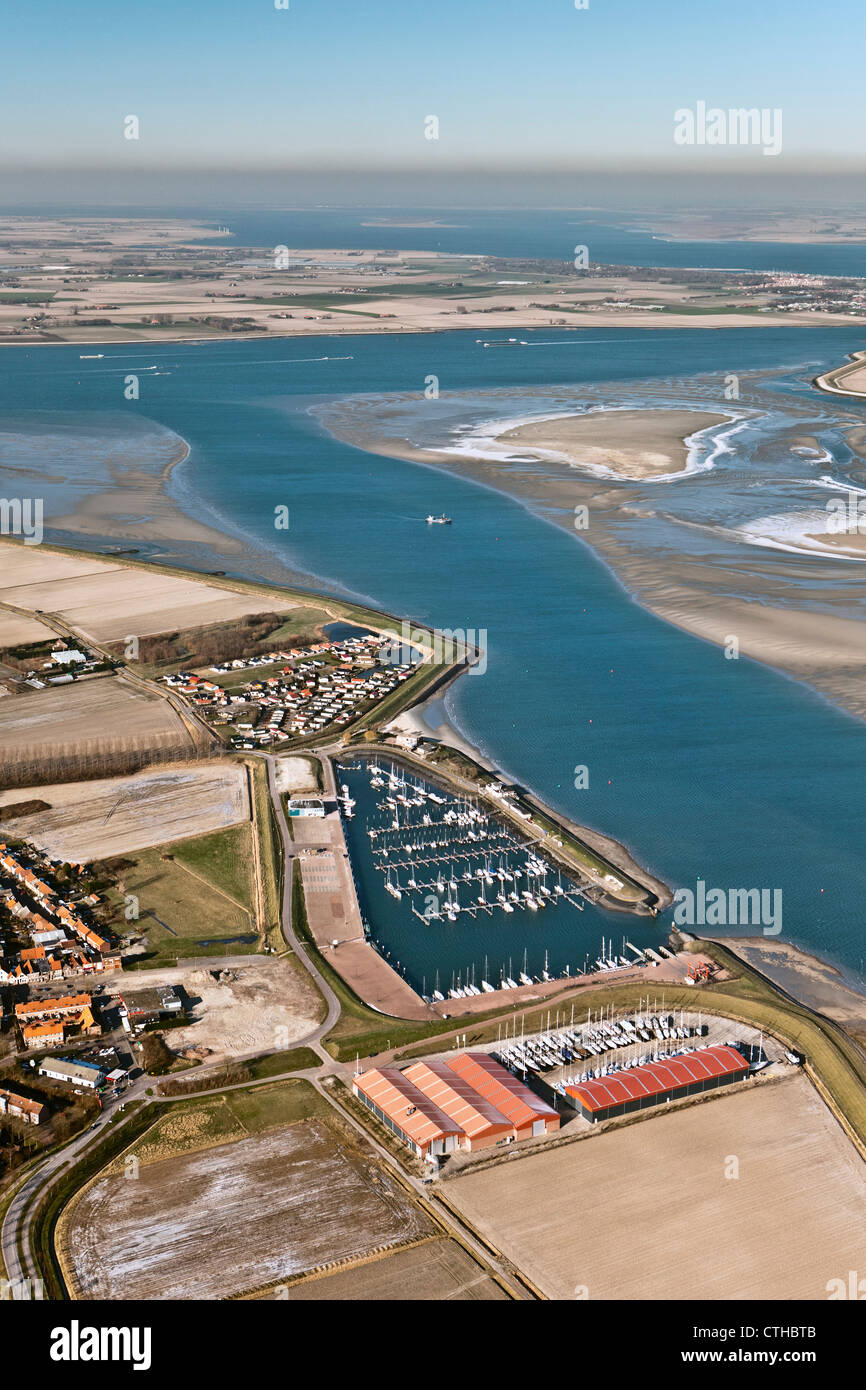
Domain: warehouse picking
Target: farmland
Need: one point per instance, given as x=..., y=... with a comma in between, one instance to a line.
x=16, y=630
x=107, y=601
x=431, y=1271
x=753, y=1195
x=235, y=1206
x=72, y=723
x=119, y=815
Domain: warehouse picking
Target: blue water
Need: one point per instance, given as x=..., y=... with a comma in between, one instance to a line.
x=551, y=234
x=703, y=767
x=488, y=946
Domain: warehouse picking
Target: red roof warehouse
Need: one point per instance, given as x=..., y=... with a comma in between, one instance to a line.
x=465, y=1102
x=626, y=1091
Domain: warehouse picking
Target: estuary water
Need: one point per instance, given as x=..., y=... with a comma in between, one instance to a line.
x=705, y=768
x=517, y=233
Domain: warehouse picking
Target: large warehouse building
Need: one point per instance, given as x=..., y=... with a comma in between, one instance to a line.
x=626, y=1091
x=465, y=1102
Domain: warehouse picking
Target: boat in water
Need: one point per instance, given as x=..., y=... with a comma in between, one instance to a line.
x=438, y=520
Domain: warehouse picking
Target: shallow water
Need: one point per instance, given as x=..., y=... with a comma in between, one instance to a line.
x=703, y=767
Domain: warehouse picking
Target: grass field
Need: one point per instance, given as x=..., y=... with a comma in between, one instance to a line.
x=278, y=1063
x=195, y=902
x=756, y=1194
x=192, y=1125
x=270, y=855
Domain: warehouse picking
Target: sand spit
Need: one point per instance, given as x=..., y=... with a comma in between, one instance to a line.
x=748, y=591
x=628, y=444
x=809, y=980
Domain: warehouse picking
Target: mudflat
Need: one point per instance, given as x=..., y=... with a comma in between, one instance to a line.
x=631, y=444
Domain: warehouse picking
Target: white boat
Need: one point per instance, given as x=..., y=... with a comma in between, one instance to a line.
x=438, y=521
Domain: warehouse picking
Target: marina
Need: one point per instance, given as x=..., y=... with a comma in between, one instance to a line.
x=573, y=1051
x=458, y=901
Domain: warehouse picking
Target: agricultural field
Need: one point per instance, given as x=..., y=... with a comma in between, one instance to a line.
x=236, y=1206
x=652, y=1211
x=108, y=601
x=119, y=815
x=16, y=631
x=194, y=897
x=85, y=719
x=432, y=1271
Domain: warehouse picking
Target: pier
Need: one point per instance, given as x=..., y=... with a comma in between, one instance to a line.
x=334, y=919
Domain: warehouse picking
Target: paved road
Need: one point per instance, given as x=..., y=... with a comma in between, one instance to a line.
x=17, y=1225
x=289, y=935
x=19, y=1216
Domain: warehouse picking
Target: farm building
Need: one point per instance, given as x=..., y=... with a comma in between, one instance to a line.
x=466, y=1102
x=626, y=1091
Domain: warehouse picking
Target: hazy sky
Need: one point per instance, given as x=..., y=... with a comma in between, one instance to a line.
x=341, y=84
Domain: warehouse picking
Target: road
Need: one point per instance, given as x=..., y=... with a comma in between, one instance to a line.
x=15, y=1237
x=17, y=1223
x=289, y=935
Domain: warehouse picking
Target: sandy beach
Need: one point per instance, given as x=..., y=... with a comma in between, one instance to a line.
x=809, y=980
x=603, y=460
x=629, y=444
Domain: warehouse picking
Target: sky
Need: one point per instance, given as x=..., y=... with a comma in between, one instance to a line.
x=224, y=87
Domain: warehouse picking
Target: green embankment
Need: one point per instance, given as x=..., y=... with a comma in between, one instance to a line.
x=270, y=855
